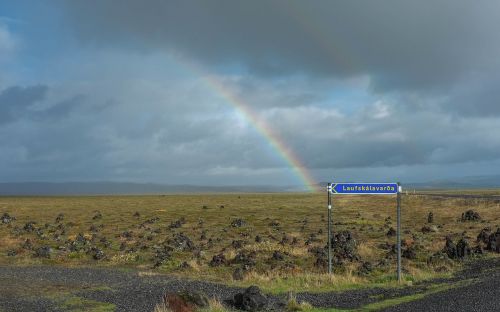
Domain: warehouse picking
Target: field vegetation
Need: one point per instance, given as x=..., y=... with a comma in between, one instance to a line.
x=276, y=241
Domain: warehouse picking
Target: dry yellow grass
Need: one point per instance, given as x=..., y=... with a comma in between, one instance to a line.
x=298, y=215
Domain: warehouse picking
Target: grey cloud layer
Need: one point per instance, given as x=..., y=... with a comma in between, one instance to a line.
x=350, y=86
x=401, y=44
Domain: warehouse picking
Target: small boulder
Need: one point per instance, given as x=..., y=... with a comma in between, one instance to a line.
x=6, y=218
x=450, y=248
x=251, y=299
x=278, y=256
x=182, y=242
x=238, y=223
x=238, y=274
x=274, y=223
x=430, y=217
x=29, y=226
x=429, y=229
x=185, y=265
x=237, y=244
x=365, y=268
x=11, y=253
x=162, y=256
x=463, y=248
x=484, y=235
x=218, y=260
x=470, y=215
x=245, y=258
x=98, y=254
x=494, y=242
x=391, y=232
x=459, y=250
x=27, y=244
x=177, y=223
x=43, y=252
x=127, y=234
x=409, y=253
x=97, y=216
x=344, y=247
x=60, y=218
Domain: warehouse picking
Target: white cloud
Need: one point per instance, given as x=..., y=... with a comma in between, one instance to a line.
x=7, y=42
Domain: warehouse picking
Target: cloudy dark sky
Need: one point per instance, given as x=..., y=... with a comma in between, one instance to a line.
x=358, y=90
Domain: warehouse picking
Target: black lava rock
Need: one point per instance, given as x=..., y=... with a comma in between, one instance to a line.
x=218, y=260
x=494, y=242
x=247, y=259
x=430, y=217
x=251, y=299
x=237, y=244
x=60, y=218
x=463, y=248
x=97, y=216
x=177, y=223
x=470, y=215
x=27, y=244
x=6, y=218
x=366, y=268
x=409, y=253
x=278, y=255
x=457, y=251
x=274, y=223
x=238, y=223
x=238, y=274
x=29, y=226
x=43, y=252
x=182, y=242
x=484, y=235
x=344, y=247
x=11, y=253
x=98, y=254
x=162, y=256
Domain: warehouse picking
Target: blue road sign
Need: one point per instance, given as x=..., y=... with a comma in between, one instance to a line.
x=364, y=188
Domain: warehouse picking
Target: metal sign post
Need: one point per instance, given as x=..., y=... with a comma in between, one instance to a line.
x=399, y=232
x=365, y=189
x=329, y=228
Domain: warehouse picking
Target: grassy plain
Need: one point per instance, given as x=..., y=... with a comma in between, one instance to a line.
x=284, y=222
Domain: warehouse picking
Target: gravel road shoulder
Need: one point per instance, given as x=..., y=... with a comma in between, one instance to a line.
x=45, y=288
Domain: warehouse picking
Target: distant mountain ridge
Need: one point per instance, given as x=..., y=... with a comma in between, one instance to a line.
x=492, y=181
x=126, y=188
x=130, y=188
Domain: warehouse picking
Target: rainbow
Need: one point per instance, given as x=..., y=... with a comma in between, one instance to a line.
x=277, y=143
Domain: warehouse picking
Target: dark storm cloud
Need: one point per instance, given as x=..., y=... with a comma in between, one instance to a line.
x=19, y=103
x=479, y=98
x=353, y=84
x=400, y=44
x=15, y=102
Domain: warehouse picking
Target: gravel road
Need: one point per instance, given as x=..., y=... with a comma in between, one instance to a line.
x=39, y=288
x=481, y=296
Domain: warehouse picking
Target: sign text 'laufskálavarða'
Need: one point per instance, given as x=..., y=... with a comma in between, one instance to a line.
x=364, y=188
